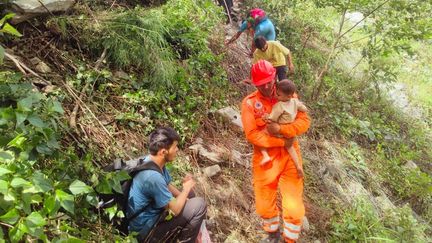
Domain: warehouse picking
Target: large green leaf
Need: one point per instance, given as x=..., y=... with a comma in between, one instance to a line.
x=66, y=200
x=3, y=187
x=5, y=157
x=18, y=232
x=10, y=217
x=25, y=104
x=9, y=196
x=20, y=118
x=78, y=187
x=51, y=205
x=35, y=220
x=36, y=121
x=6, y=17
x=41, y=182
x=68, y=205
x=25, y=203
x=4, y=171
x=43, y=149
x=57, y=107
x=17, y=141
x=111, y=211
x=20, y=182
x=9, y=29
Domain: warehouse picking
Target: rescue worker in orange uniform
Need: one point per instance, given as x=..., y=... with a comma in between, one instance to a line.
x=280, y=172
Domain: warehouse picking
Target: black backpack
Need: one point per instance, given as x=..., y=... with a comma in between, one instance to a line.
x=132, y=167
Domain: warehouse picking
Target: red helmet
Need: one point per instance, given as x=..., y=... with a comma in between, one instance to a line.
x=262, y=72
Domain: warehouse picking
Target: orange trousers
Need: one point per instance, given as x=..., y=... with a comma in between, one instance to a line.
x=280, y=174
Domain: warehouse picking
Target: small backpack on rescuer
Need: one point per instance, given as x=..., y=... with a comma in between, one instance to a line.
x=132, y=168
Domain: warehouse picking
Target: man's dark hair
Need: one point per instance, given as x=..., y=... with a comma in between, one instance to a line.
x=286, y=86
x=162, y=138
x=260, y=42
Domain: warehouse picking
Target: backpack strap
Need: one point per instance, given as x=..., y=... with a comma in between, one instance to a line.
x=150, y=165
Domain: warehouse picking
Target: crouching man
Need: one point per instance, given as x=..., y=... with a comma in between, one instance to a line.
x=152, y=195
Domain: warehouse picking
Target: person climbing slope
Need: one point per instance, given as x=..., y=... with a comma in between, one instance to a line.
x=277, y=54
x=258, y=24
x=280, y=173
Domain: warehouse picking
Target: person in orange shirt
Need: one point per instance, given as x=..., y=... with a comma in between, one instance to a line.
x=280, y=172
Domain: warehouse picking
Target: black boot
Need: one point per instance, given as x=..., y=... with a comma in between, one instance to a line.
x=272, y=238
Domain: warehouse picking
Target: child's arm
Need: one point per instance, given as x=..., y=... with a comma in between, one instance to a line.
x=276, y=112
x=301, y=106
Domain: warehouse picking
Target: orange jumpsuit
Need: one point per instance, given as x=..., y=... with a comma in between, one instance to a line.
x=280, y=172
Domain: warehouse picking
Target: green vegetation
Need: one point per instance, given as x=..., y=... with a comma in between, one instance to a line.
x=171, y=73
x=136, y=68
x=362, y=223
x=351, y=107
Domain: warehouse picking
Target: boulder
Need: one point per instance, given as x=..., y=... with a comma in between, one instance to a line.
x=27, y=9
x=212, y=170
x=200, y=150
x=410, y=165
x=240, y=158
x=42, y=68
x=232, y=115
x=35, y=61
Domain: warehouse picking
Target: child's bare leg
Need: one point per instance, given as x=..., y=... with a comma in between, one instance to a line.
x=295, y=158
x=266, y=158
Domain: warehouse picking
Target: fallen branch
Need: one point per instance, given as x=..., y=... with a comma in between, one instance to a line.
x=72, y=119
x=81, y=103
x=23, y=68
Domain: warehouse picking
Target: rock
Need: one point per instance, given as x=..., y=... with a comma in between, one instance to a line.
x=35, y=61
x=49, y=89
x=384, y=203
x=410, y=165
x=238, y=158
x=232, y=115
x=43, y=68
x=199, y=149
x=212, y=170
x=27, y=9
x=305, y=224
x=355, y=17
x=121, y=75
x=199, y=140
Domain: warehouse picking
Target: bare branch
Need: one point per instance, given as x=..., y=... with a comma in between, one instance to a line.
x=364, y=17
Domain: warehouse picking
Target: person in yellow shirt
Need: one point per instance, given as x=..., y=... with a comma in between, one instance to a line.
x=275, y=53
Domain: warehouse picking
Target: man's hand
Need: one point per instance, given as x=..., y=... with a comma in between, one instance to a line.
x=289, y=142
x=227, y=42
x=300, y=172
x=273, y=128
x=291, y=68
x=189, y=184
x=187, y=177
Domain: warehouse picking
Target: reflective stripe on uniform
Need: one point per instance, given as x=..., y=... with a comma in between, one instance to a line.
x=271, y=220
x=290, y=235
x=292, y=227
x=271, y=224
x=271, y=227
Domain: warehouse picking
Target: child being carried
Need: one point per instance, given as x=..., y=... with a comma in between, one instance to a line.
x=284, y=112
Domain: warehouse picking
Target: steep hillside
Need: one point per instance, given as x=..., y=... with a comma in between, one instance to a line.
x=83, y=87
